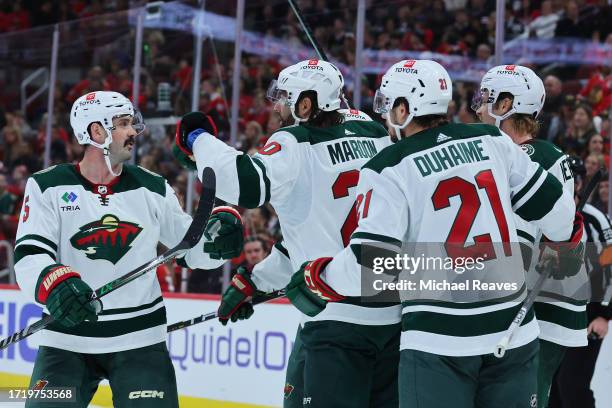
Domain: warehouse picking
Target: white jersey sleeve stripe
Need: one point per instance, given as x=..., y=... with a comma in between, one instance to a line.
x=529, y=190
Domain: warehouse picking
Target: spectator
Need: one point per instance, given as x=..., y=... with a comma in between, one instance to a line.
x=250, y=140
x=95, y=81
x=9, y=210
x=597, y=94
x=592, y=163
x=255, y=250
x=545, y=24
x=570, y=25
x=552, y=123
x=15, y=150
x=580, y=131
x=596, y=146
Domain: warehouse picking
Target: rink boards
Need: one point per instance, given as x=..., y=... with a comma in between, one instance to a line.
x=240, y=365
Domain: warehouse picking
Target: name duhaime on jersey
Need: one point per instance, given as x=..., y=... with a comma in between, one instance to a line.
x=419, y=187
x=561, y=309
x=102, y=232
x=309, y=176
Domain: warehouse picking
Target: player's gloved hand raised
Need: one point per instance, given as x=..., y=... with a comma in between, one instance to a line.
x=188, y=129
x=569, y=254
x=236, y=301
x=307, y=291
x=224, y=234
x=66, y=296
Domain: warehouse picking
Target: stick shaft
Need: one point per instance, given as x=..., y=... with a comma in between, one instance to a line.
x=213, y=315
x=537, y=287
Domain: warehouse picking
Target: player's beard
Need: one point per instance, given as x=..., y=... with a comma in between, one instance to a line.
x=121, y=154
x=284, y=122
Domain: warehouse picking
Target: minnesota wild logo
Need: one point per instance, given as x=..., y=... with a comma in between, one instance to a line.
x=109, y=238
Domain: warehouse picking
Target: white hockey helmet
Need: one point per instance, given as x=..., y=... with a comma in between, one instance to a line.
x=102, y=107
x=425, y=84
x=521, y=82
x=316, y=75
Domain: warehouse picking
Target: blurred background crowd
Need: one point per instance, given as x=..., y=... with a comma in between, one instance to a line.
x=97, y=54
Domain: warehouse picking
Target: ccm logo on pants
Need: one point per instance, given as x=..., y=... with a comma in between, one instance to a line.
x=146, y=394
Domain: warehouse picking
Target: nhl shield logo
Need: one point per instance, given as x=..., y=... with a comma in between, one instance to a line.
x=288, y=390
x=40, y=384
x=108, y=238
x=102, y=189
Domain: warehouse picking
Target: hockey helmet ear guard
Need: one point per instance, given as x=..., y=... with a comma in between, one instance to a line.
x=521, y=82
x=424, y=84
x=315, y=75
x=102, y=107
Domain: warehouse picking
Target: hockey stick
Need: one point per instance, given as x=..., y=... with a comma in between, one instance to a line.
x=500, y=348
x=313, y=41
x=308, y=31
x=191, y=238
x=213, y=315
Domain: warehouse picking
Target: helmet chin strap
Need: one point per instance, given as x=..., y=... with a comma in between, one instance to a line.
x=498, y=119
x=106, y=151
x=107, y=160
x=398, y=128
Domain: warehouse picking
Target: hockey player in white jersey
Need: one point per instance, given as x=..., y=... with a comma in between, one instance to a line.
x=348, y=354
x=457, y=185
x=511, y=97
x=84, y=225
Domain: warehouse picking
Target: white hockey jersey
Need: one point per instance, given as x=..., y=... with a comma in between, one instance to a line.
x=309, y=176
x=455, y=184
x=561, y=307
x=103, y=232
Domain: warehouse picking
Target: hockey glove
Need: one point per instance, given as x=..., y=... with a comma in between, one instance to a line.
x=66, y=296
x=224, y=234
x=570, y=254
x=190, y=127
x=184, y=160
x=236, y=301
x=308, y=292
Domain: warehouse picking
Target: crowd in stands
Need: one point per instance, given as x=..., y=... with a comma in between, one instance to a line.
x=575, y=115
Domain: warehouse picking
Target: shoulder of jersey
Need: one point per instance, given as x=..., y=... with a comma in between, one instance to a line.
x=428, y=139
x=132, y=178
x=136, y=176
x=542, y=152
x=58, y=175
x=350, y=128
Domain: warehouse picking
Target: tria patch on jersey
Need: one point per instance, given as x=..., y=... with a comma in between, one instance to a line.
x=442, y=138
x=108, y=238
x=348, y=132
